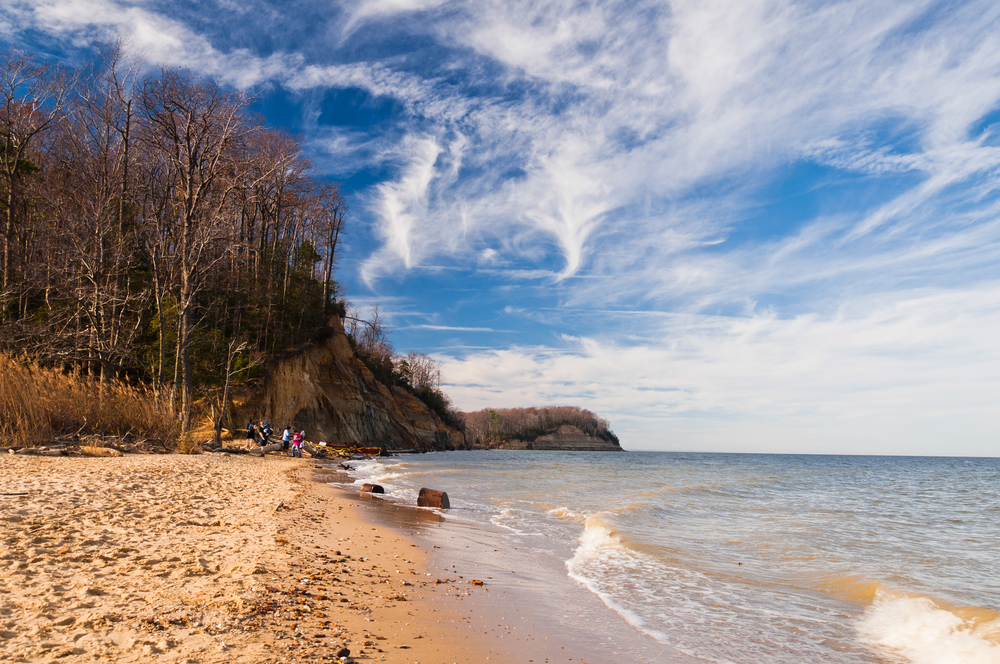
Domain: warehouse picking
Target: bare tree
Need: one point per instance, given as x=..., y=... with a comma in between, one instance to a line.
x=196, y=128
x=331, y=225
x=419, y=369
x=33, y=97
x=220, y=403
x=99, y=144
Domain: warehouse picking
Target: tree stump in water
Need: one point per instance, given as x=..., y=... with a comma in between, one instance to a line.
x=432, y=498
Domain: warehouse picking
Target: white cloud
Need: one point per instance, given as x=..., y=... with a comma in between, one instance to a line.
x=400, y=203
x=906, y=373
x=162, y=40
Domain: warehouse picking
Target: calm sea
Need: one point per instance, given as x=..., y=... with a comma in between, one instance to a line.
x=735, y=557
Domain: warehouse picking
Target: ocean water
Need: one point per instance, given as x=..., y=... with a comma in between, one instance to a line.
x=741, y=558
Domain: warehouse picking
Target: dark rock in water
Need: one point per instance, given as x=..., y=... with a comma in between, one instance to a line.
x=372, y=488
x=432, y=498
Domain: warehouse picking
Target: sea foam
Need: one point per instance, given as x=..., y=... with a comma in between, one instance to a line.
x=922, y=631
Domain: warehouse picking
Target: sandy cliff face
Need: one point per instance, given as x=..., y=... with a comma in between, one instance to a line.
x=326, y=391
x=567, y=438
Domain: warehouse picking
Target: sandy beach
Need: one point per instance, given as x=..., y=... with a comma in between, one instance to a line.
x=218, y=558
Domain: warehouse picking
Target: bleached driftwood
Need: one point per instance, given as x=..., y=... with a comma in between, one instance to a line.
x=41, y=451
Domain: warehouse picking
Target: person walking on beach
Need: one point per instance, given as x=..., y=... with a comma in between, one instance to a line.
x=286, y=438
x=297, y=444
x=263, y=437
x=250, y=430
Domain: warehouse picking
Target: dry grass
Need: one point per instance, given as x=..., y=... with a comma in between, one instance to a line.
x=38, y=403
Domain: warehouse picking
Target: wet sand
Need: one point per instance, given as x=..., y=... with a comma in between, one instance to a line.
x=528, y=610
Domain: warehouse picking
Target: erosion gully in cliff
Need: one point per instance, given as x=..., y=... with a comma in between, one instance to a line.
x=325, y=390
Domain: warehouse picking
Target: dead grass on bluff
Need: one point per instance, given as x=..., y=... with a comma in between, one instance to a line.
x=37, y=403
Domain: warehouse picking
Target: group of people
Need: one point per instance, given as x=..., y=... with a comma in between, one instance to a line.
x=260, y=432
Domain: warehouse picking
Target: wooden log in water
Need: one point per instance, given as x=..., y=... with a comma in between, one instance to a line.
x=372, y=488
x=432, y=498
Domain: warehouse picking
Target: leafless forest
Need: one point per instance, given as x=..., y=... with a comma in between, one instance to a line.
x=486, y=427
x=154, y=229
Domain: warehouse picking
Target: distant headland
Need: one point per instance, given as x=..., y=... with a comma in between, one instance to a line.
x=566, y=428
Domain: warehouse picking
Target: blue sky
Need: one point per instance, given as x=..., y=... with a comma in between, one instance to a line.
x=746, y=225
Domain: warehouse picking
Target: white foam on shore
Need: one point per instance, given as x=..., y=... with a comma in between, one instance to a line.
x=922, y=632
x=599, y=547
x=504, y=516
x=374, y=471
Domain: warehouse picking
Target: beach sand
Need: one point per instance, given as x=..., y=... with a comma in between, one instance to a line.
x=218, y=558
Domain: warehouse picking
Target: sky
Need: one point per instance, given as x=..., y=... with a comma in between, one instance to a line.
x=723, y=225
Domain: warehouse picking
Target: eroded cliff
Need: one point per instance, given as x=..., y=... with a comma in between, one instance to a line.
x=323, y=389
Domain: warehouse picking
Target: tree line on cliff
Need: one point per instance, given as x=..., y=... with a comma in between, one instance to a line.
x=487, y=427
x=152, y=228
x=416, y=372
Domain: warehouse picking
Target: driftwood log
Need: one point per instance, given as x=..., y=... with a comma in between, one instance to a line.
x=87, y=450
x=316, y=451
x=431, y=498
x=41, y=451
x=273, y=447
x=230, y=450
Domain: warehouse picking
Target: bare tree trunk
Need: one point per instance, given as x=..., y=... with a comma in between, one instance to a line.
x=223, y=409
x=184, y=346
x=158, y=296
x=331, y=251
x=177, y=365
x=8, y=236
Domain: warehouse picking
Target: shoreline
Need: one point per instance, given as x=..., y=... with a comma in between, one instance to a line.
x=221, y=558
x=531, y=610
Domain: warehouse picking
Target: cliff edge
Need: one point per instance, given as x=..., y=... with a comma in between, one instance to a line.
x=324, y=390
